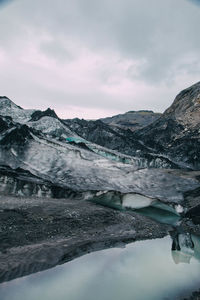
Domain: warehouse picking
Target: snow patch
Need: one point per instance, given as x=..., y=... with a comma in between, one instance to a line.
x=179, y=209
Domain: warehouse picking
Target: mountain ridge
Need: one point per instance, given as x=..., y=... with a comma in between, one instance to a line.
x=132, y=120
x=173, y=138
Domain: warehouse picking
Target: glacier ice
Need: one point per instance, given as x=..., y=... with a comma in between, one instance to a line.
x=136, y=201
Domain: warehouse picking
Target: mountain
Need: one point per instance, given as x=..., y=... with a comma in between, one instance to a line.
x=171, y=140
x=132, y=120
x=177, y=132
x=55, y=157
x=186, y=108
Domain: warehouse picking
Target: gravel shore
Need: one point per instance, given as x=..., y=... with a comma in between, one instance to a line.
x=38, y=233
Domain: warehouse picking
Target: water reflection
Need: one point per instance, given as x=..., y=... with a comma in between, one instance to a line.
x=142, y=270
x=185, y=246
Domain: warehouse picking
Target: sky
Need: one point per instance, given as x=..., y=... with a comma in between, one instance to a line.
x=92, y=58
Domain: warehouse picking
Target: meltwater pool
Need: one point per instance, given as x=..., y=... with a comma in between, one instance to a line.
x=144, y=270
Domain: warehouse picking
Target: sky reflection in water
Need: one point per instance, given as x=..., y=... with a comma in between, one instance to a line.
x=141, y=270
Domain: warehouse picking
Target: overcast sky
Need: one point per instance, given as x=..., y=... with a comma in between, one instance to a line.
x=95, y=58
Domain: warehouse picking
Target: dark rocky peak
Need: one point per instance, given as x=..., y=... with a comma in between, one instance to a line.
x=177, y=132
x=38, y=114
x=188, y=98
x=186, y=107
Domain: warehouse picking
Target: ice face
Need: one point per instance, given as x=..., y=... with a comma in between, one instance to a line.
x=76, y=140
x=136, y=201
x=146, y=206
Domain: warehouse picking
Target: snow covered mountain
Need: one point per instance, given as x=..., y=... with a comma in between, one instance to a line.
x=40, y=154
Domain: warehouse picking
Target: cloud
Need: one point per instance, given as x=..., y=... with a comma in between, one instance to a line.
x=100, y=55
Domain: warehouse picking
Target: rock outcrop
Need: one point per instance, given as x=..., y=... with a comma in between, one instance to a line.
x=176, y=133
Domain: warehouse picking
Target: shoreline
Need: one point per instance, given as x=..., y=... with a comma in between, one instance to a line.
x=39, y=233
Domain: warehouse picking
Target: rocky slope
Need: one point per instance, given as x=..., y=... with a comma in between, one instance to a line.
x=186, y=108
x=177, y=132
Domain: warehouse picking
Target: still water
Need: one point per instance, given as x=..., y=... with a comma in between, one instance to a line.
x=144, y=270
